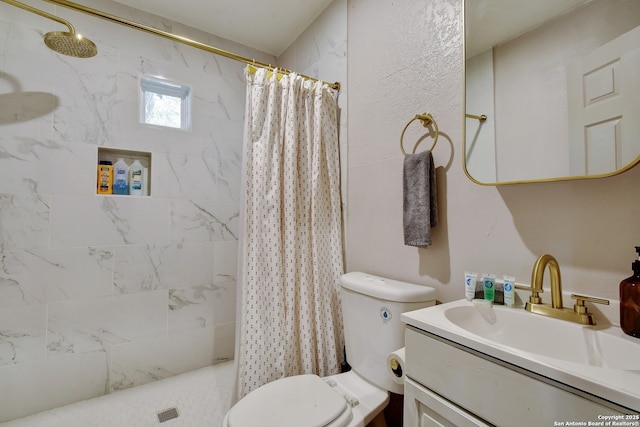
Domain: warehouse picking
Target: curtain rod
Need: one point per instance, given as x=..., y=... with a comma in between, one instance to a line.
x=174, y=37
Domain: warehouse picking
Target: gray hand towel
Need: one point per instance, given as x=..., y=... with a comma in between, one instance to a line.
x=419, y=199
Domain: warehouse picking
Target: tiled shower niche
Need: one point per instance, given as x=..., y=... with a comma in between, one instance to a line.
x=129, y=156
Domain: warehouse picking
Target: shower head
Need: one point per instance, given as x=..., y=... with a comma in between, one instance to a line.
x=68, y=43
x=71, y=44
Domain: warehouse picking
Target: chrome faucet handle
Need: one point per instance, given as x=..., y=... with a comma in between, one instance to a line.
x=579, y=306
x=535, y=297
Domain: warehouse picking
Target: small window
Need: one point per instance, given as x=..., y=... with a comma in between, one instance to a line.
x=163, y=103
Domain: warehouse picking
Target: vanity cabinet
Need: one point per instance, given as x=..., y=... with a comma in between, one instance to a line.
x=425, y=408
x=451, y=385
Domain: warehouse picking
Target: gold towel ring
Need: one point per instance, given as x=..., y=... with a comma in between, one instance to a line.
x=426, y=119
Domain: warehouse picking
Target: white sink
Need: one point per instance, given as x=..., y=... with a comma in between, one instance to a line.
x=547, y=337
x=599, y=360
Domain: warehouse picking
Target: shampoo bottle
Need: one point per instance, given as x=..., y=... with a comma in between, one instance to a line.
x=630, y=301
x=105, y=177
x=120, y=177
x=136, y=183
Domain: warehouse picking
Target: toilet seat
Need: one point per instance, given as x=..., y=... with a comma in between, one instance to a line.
x=301, y=400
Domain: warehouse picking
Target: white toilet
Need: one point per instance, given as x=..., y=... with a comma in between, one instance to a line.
x=371, y=307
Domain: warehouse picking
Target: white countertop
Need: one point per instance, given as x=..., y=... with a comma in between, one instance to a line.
x=618, y=386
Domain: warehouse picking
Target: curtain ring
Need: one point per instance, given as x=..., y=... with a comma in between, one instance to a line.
x=426, y=119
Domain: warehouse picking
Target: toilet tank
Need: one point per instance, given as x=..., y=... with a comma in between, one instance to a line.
x=371, y=307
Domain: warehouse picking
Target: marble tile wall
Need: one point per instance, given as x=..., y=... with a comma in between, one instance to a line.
x=102, y=293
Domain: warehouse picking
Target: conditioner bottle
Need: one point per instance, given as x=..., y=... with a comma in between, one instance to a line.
x=121, y=177
x=630, y=301
x=136, y=183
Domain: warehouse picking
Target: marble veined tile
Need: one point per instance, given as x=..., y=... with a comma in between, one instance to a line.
x=197, y=59
x=229, y=183
x=52, y=95
x=27, y=102
x=201, y=306
x=140, y=268
x=225, y=344
x=108, y=220
x=214, y=108
x=35, y=386
x=28, y=113
x=34, y=65
x=223, y=140
x=225, y=261
x=86, y=94
x=320, y=39
x=180, y=176
x=22, y=334
x=141, y=362
x=13, y=16
x=31, y=165
x=24, y=221
x=219, y=98
x=106, y=34
x=96, y=324
x=197, y=220
x=202, y=398
x=332, y=66
x=43, y=275
x=228, y=148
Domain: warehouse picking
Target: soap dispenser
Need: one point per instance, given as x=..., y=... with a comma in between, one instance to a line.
x=630, y=301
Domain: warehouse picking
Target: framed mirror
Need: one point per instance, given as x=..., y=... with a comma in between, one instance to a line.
x=559, y=84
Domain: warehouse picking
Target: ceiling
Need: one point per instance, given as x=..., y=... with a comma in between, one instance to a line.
x=269, y=26
x=490, y=22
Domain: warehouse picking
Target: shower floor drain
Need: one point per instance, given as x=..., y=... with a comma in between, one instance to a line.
x=167, y=414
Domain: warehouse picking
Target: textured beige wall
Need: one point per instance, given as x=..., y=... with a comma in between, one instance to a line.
x=405, y=58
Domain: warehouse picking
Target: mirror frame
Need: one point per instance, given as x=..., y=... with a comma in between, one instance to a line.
x=464, y=133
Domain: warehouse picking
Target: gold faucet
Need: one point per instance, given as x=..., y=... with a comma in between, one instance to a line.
x=578, y=314
x=554, y=271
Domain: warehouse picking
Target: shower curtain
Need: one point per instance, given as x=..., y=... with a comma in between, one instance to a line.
x=291, y=250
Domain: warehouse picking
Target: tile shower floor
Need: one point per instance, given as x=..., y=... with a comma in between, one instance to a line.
x=201, y=398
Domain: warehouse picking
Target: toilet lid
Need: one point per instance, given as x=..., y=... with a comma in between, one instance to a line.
x=301, y=400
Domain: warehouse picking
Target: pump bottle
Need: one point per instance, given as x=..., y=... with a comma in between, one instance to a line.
x=630, y=301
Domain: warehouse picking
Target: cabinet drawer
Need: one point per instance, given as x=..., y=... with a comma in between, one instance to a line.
x=423, y=408
x=493, y=392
